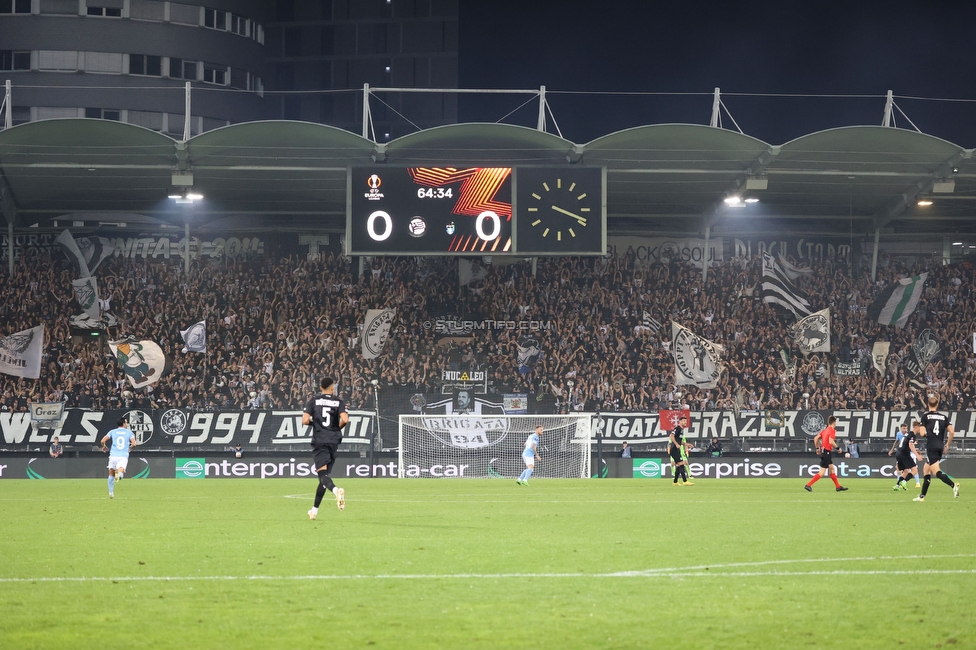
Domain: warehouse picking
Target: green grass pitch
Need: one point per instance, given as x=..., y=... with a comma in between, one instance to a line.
x=485, y=564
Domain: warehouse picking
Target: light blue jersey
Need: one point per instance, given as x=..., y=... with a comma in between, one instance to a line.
x=121, y=440
x=531, y=444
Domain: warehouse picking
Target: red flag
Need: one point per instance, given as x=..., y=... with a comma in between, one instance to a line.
x=668, y=418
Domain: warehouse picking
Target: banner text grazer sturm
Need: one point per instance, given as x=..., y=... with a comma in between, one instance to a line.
x=282, y=429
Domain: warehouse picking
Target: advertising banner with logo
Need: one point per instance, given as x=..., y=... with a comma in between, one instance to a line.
x=43, y=467
x=796, y=466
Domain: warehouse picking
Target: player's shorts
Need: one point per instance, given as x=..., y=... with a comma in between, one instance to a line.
x=826, y=458
x=529, y=459
x=118, y=463
x=933, y=456
x=675, y=453
x=905, y=462
x=324, y=457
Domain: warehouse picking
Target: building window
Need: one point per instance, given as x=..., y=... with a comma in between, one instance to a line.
x=239, y=25
x=108, y=12
x=293, y=41
x=62, y=61
x=182, y=69
x=146, y=64
x=214, y=75
x=104, y=114
x=15, y=6
x=13, y=60
x=215, y=19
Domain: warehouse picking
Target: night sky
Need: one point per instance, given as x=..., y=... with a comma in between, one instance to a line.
x=920, y=49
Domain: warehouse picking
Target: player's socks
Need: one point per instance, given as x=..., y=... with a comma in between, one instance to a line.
x=111, y=484
x=944, y=478
x=925, y=485
x=816, y=477
x=528, y=473
x=319, y=494
x=833, y=477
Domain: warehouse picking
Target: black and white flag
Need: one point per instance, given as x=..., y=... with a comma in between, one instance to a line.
x=697, y=361
x=86, y=292
x=85, y=253
x=879, y=356
x=812, y=333
x=195, y=337
x=651, y=323
x=778, y=289
x=925, y=350
x=20, y=353
x=376, y=330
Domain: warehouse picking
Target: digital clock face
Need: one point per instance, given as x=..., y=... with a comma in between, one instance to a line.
x=430, y=210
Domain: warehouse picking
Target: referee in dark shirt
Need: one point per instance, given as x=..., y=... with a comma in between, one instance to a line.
x=327, y=415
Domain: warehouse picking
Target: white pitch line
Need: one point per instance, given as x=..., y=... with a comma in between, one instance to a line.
x=670, y=572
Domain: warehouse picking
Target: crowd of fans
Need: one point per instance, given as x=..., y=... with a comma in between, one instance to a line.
x=276, y=325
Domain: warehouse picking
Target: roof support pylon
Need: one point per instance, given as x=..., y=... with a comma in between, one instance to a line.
x=889, y=103
x=716, y=108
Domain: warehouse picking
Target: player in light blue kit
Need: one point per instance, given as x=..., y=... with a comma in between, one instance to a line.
x=530, y=455
x=118, y=459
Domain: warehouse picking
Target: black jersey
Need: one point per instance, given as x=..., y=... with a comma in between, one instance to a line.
x=904, y=447
x=679, y=435
x=936, y=427
x=325, y=411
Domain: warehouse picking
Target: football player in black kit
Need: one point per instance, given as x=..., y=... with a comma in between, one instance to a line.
x=327, y=415
x=936, y=426
x=678, y=450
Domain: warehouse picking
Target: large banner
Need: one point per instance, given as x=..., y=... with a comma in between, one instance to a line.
x=282, y=429
x=182, y=428
x=654, y=250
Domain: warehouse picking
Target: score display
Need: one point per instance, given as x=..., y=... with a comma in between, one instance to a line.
x=430, y=210
x=476, y=211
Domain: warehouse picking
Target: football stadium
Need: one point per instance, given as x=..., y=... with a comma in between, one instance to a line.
x=410, y=382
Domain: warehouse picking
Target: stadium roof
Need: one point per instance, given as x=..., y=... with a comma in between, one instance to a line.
x=669, y=179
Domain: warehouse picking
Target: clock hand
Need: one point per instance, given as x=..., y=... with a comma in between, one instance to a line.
x=582, y=220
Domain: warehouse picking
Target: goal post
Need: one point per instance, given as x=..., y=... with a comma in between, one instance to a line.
x=490, y=446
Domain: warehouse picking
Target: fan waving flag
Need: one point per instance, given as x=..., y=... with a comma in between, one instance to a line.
x=697, y=361
x=376, y=330
x=86, y=292
x=812, y=334
x=142, y=361
x=195, y=337
x=20, y=353
x=778, y=289
x=651, y=323
x=897, y=301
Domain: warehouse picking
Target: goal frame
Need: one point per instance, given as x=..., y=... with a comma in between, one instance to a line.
x=584, y=433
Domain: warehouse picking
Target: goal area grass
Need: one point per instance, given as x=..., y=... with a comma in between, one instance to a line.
x=427, y=563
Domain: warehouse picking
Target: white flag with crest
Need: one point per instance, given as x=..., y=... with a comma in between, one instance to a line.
x=195, y=337
x=697, y=361
x=20, y=353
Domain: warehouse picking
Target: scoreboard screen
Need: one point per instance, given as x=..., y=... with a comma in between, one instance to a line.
x=430, y=210
x=476, y=211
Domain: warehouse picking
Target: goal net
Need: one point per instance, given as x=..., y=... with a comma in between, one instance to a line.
x=490, y=446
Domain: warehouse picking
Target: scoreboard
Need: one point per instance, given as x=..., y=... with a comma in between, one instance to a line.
x=476, y=211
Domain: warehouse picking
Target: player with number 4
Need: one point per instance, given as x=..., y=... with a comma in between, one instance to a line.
x=936, y=426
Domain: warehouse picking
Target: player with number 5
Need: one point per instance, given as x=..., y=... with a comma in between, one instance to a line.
x=327, y=415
